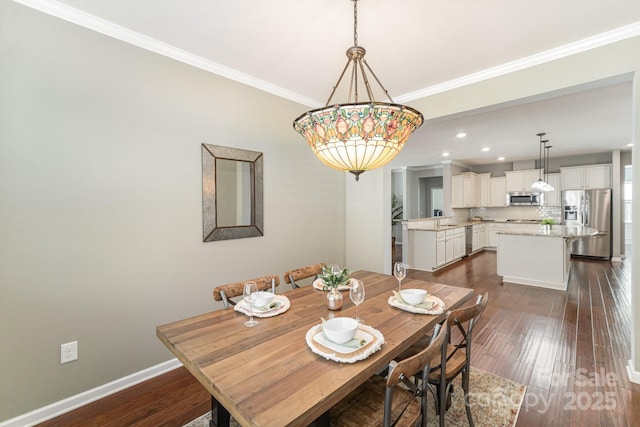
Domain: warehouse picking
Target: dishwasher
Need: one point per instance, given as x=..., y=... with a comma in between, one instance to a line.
x=468, y=246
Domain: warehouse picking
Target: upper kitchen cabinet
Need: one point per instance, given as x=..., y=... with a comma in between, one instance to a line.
x=498, y=192
x=552, y=198
x=463, y=190
x=585, y=177
x=521, y=180
x=483, y=190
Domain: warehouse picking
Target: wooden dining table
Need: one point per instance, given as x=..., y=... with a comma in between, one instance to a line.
x=268, y=376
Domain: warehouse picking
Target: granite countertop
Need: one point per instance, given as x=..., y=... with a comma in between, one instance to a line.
x=555, y=231
x=440, y=227
x=436, y=227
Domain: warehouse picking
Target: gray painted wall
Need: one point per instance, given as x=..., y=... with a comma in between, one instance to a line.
x=100, y=202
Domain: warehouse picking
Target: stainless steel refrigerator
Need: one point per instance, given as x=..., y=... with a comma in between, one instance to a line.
x=590, y=208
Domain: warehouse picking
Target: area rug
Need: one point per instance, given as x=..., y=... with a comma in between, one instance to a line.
x=495, y=401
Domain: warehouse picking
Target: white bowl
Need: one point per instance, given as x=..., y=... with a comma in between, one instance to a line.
x=263, y=298
x=413, y=296
x=340, y=329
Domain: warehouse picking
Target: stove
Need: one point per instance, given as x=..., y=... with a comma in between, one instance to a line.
x=525, y=221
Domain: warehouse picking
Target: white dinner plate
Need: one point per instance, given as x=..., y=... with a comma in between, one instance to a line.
x=360, y=334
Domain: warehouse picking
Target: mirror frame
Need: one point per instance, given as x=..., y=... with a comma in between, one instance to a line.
x=210, y=230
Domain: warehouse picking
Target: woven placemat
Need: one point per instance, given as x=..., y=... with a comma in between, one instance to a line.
x=359, y=354
x=438, y=305
x=284, y=305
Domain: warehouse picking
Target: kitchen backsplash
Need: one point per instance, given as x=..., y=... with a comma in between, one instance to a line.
x=514, y=212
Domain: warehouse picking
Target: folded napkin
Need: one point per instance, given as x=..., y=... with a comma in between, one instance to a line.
x=273, y=305
x=354, y=343
x=279, y=305
x=426, y=304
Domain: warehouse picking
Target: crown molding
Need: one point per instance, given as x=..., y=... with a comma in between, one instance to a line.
x=102, y=26
x=560, y=52
x=83, y=19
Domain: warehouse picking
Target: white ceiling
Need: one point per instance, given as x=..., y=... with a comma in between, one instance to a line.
x=296, y=49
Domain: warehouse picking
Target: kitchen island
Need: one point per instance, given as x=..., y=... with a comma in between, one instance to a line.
x=538, y=258
x=431, y=248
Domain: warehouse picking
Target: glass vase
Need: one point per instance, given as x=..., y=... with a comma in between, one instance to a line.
x=334, y=299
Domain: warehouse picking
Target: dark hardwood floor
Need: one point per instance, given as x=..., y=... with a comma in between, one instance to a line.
x=569, y=348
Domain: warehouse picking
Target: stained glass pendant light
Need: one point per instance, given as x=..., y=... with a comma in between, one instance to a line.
x=358, y=136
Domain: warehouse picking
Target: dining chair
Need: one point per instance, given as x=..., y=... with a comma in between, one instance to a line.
x=397, y=400
x=302, y=273
x=224, y=293
x=455, y=359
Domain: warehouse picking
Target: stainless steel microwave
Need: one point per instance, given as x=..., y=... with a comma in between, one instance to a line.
x=524, y=199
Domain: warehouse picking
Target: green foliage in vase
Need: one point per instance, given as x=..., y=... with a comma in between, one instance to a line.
x=333, y=280
x=549, y=221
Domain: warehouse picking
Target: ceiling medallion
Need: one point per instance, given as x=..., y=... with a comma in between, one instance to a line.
x=358, y=136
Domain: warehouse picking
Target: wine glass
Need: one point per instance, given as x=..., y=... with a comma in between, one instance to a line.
x=250, y=288
x=400, y=271
x=356, y=293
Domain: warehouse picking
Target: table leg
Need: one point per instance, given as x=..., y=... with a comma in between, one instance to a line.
x=218, y=413
x=323, y=420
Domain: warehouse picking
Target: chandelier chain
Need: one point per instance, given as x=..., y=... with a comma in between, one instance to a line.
x=355, y=22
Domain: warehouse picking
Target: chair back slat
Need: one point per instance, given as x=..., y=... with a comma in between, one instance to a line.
x=231, y=290
x=416, y=363
x=405, y=369
x=292, y=276
x=451, y=365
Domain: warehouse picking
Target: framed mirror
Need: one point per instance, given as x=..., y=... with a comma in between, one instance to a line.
x=232, y=204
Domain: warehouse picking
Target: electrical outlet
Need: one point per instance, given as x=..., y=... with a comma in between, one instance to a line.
x=68, y=352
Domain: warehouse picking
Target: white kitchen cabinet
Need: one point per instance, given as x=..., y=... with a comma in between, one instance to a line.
x=521, y=180
x=598, y=176
x=458, y=241
x=552, y=198
x=478, y=233
x=441, y=258
x=430, y=250
x=572, y=178
x=498, y=191
x=585, y=177
x=454, y=244
x=449, y=253
x=463, y=191
x=483, y=190
x=422, y=249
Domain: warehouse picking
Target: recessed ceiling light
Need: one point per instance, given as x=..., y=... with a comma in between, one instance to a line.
x=461, y=135
x=501, y=158
x=630, y=144
x=485, y=149
x=445, y=154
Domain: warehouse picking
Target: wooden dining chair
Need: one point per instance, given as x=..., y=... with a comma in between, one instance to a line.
x=456, y=358
x=298, y=274
x=397, y=400
x=224, y=293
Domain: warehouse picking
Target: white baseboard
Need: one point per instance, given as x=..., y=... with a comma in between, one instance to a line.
x=63, y=406
x=634, y=376
x=617, y=259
